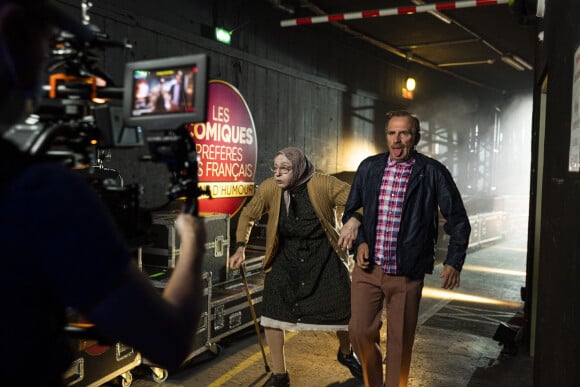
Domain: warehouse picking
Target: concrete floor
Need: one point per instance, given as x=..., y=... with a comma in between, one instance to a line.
x=453, y=348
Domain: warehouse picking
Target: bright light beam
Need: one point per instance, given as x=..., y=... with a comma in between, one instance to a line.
x=494, y=270
x=454, y=295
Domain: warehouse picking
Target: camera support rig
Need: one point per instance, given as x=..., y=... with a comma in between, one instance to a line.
x=73, y=124
x=177, y=151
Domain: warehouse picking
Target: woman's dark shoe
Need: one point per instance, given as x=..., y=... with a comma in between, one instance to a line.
x=278, y=380
x=351, y=362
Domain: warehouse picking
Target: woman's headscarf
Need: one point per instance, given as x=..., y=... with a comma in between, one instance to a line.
x=302, y=167
x=302, y=170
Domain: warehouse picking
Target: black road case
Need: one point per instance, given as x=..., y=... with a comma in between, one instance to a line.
x=230, y=310
x=96, y=364
x=201, y=340
x=163, y=251
x=226, y=310
x=253, y=265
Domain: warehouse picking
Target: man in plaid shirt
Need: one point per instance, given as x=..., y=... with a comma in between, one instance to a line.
x=401, y=192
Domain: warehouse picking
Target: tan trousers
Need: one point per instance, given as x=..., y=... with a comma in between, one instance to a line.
x=370, y=290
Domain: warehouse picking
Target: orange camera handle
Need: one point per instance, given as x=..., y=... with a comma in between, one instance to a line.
x=55, y=79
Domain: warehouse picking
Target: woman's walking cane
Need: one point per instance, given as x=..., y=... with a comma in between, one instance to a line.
x=256, y=325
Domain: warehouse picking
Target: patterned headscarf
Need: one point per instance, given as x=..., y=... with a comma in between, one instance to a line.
x=302, y=167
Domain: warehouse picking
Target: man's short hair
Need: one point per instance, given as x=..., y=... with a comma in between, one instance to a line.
x=415, y=123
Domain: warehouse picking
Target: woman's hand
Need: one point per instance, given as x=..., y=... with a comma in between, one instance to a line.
x=238, y=258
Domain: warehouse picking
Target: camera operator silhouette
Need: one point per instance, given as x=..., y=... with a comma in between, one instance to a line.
x=60, y=247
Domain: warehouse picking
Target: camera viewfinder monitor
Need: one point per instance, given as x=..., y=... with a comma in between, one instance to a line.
x=166, y=93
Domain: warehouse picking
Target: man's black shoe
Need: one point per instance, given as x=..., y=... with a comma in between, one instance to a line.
x=351, y=362
x=278, y=380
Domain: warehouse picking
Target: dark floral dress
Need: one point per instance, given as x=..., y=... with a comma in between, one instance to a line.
x=308, y=283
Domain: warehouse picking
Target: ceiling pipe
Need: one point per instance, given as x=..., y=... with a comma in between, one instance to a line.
x=397, y=51
x=514, y=61
x=436, y=44
x=510, y=61
x=522, y=62
x=279, y=4
x=441, y=16
x=469, y=31
x=402, y=51
x=469, y=63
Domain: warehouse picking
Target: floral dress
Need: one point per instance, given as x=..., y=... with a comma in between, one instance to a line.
x=309, y=285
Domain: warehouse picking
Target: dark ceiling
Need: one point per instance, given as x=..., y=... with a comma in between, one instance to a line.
x=473, y=45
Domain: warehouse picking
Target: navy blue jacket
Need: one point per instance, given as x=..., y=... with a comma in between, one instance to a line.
x=431, y=187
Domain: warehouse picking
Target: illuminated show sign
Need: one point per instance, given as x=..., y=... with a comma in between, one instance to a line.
x=227, y=150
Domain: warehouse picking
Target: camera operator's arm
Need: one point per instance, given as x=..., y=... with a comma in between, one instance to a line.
x=161, y=329
x=71, y=254
x=179, y=291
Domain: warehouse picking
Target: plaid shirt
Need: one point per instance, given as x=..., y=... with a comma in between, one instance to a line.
x=391, y=196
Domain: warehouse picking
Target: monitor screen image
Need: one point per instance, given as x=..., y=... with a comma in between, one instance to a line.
x=166, y=93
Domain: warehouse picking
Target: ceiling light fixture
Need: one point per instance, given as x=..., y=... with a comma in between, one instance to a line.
x=410, y=84
x=407, y=90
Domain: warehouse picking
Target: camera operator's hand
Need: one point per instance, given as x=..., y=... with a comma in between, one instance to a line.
x=191, y=231
x=192, y=235
x=180, y=289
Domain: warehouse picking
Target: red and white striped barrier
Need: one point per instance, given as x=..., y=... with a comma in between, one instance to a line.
x=390, y=12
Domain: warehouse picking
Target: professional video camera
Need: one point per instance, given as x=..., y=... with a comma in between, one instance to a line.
x=83, y=114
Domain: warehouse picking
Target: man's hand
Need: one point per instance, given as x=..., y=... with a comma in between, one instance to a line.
x=362, y=256
x=450, y=277
x=348, y=233
x=238, y=258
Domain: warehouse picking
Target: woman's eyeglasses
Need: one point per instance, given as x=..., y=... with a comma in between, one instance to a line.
x=283, y=169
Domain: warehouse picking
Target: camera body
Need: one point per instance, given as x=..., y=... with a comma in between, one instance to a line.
x=82, y=115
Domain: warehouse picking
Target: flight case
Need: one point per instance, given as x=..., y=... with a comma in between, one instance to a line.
x=226, y=309
x=96, y=362
x=253, y=264
x=163, y=251
x=201, y=340
x=230, y=309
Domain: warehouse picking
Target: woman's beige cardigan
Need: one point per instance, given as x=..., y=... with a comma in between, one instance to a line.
x=328, y=196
